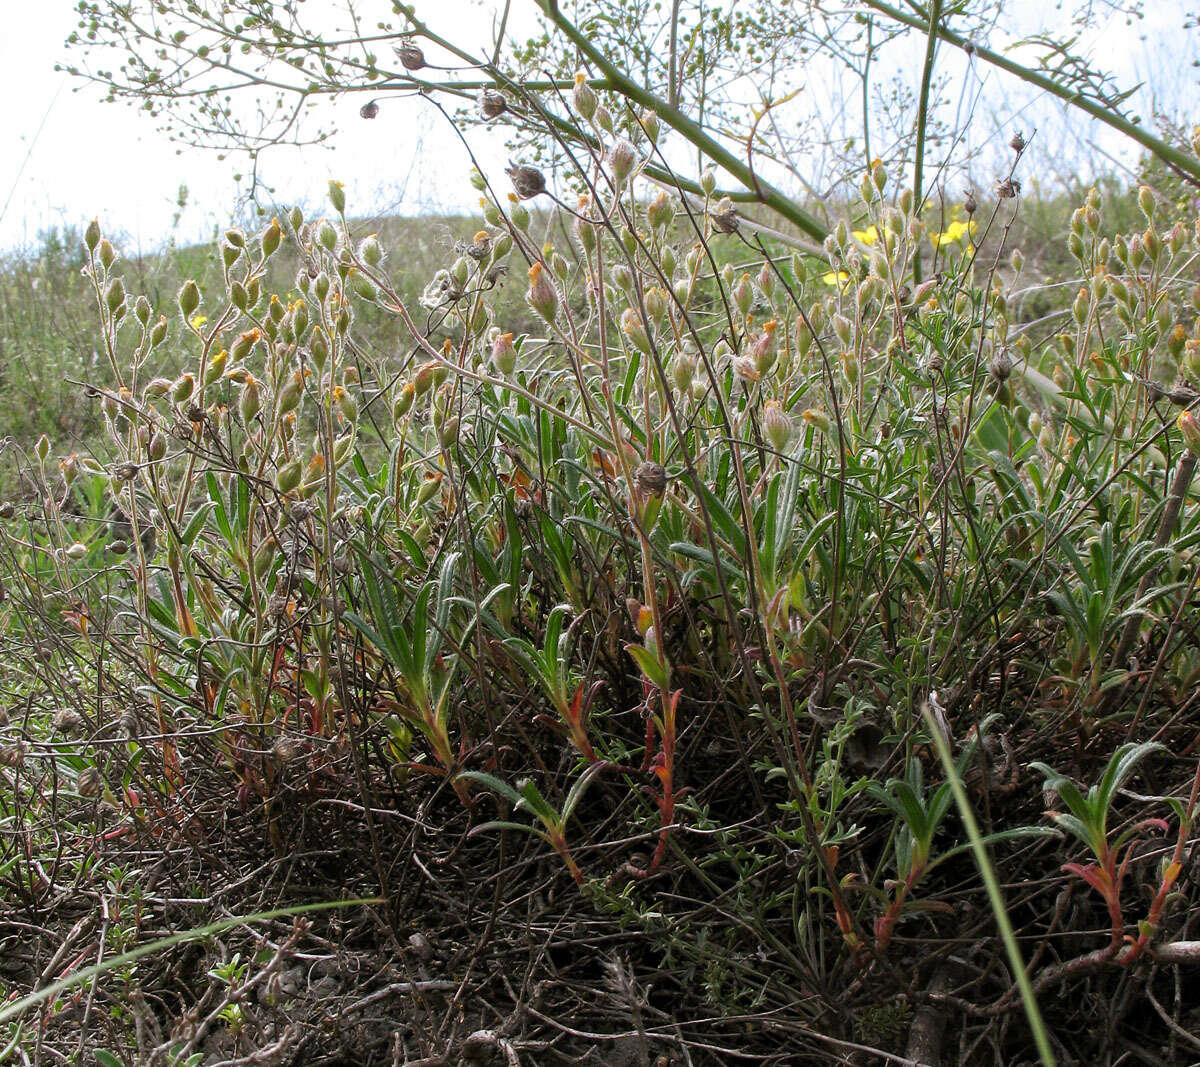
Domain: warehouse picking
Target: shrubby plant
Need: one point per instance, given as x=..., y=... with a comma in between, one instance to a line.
x=674, y=569
x=680, y=635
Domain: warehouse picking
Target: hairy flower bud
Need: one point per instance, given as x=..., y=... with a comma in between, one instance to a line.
x=1189, y=426
x=189, y=298
x=337, y=196
x=271, y=238
x=288, y=476
x=542, y=295
x=777, y=426
x=660, y=212
x=584, y=98
x=504, y=354
x=743, y=295
x=633, y=328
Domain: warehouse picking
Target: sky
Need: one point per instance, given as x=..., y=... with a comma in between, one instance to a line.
x=66, y=156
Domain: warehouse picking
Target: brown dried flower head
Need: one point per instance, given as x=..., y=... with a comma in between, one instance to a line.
x=411, y=57
x=651, y=479
x=491, y=104
x=1008, y=188
x=527, y=181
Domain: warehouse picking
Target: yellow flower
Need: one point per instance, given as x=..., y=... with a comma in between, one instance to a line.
x=868, y=236
x=954, y=233
x=198, y=321
x=834, y=279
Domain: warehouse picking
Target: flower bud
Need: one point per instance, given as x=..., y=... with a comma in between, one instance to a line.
x=157, y=448
x=683, y=371
x=650, y=125
x=777, y=426
x=215, y=368
x=189, y=298
x=370, y=251
x=633, y=328
x=655, y=303
x=708, y=182
x=184, y=385
x=1189, y=426
x=271, y=238
x=1145, y=200
x=766, y=280
x=250, y=402
x=114, y=295
x=327, y=236
x=743, y=295
x=403, y=403
x=337, y=197
x=288, y=476
x=91, y=236
x=504, y=354
x=542, y=295
x=660, y=212
x=584, y=98
x=817, y=418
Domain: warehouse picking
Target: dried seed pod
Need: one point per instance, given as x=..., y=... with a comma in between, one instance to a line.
x=969, y=204
x=13, y=755
x=651, y=479
x=724, y=218
x=67, y=720
x=1008, y=188
x=90, y=783
x=411, y=57
x=527, y=181
x=1001, y=367
x=369, y=110
x=1017, y=144
x=491, y=104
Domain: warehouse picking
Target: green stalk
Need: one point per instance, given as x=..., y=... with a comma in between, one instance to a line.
x=1169, y=154
x=935, y=16
x=1028, y=998
x=765, y=193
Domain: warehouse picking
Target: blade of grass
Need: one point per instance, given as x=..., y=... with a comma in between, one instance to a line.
x=1032, y=1011
x=18, y=1007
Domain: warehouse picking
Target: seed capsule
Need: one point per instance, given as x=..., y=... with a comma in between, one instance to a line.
x=411, y=57
x=527, y=181
x=651, y=479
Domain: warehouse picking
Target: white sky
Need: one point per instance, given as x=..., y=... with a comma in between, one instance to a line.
x=66, y=156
